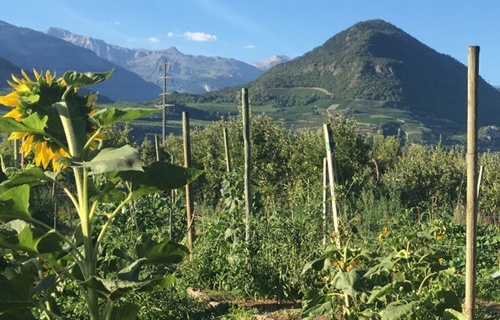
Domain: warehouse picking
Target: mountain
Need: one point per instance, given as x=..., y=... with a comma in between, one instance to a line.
x=7, y=68
x=193, y=74
x=271, y=62
x=30, y=49
x=376, y=61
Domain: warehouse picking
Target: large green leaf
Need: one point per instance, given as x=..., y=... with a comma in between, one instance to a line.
x=451, y=314
x=398, y=310
x=348, y=282
x=157, y=177
x=14, y=203
x=111, y=159
x=34, y=124
x=31, y=176
x=107, y=117
x=127, y=311
x=21, y=236
x=115, y=289
x=316, y=305
x=16, y=293
x=164, y=252
x=76, y=79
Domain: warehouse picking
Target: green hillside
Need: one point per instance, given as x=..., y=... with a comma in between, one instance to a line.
x=375, y=72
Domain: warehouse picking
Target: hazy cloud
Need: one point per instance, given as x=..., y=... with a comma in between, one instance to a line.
x=171, y=34
x=249, y=46
x=153, y=39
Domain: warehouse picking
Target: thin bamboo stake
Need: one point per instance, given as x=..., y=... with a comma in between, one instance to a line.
x=187, y=163
x=16, y=154
x=479, y=181
x=226, y=148
x=248, y=162
x=331, y=178
x=472, y=107
x=157, y=148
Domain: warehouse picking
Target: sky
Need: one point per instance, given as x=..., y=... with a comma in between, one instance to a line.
x=258, y=29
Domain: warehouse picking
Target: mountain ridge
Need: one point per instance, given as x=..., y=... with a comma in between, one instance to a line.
x=30, y=49
x=194, y=74
x=375, y=60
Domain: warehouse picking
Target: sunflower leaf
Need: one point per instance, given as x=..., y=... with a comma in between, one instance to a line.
x=73, y=78
x=33, y=124
x=107, y=117
x=14, y=203
x=157, y=177
x=111, y=159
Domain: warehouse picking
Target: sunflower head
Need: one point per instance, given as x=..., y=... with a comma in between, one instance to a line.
x=38, y=95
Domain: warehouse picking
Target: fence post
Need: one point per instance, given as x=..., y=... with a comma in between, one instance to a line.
x=325, y=198
x=472, y=111
x=248, y=162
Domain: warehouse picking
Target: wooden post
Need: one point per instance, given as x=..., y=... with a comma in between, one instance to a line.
x=187, y=163
x=472, y=107
x=226, y=148
x=248, y=163
x=325, y=198
x=331, y=178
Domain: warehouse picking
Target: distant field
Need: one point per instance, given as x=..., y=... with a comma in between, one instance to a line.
x=370, y=115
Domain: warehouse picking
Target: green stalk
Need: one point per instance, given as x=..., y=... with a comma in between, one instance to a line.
x=90, y=268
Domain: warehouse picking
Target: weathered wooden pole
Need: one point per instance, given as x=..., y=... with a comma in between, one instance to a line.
x=248, y=162
x=226, y=148
x=331, y=178
x=472, y=107
x=187, y=163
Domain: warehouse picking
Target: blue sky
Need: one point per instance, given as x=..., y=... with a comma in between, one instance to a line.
x=257, y=29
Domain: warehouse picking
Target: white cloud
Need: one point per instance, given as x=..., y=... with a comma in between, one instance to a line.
x=199, y=36
x=153, y=39
x=249, y=46
x=171, y=34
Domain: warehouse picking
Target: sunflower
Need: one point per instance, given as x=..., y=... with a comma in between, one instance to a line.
x=39, y=95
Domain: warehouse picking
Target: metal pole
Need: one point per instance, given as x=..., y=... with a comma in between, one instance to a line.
x=248, y=162
x=472, y=107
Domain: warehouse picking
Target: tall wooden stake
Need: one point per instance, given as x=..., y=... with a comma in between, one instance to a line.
x=325, y=198
x=187, y=163
x=248, y=162
x=226, y=148
x=157, y=148
x=331, y=177
x=472, y=107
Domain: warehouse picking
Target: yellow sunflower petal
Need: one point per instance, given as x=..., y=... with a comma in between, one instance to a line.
x=37, y=75
x=14, y=114
x=48, y=76
x=27, y=145
x=58, y=165
x=43, y=154
x=10, y=100
x=25, y=76
x=16, y=79
x=17, y=135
